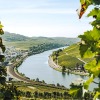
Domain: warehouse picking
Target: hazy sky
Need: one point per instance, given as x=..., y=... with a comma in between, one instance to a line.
x=48, y=18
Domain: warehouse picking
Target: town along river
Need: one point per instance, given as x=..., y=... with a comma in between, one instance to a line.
x=36, y=66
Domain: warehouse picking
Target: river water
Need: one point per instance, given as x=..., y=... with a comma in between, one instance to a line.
x=36, y=66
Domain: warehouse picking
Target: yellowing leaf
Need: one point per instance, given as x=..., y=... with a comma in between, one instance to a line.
x=84, y=6
x=90, y=65
x=82, y=1
x=93, y=67
x=87, y=83
x=1, y=25
x=88, y=54
x=74, y=91
x=96, y=95
x=81, y=10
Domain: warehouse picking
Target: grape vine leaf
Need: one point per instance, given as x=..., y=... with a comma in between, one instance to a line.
x=95, y=23
x=74, y=91
x=87, y=83
x=93, y=67
x=95, y=12
x=1, y=26
x=96, y=2
x=95, y=34
x=96, y=95
x=89, y=48
x=1, y=30
x=84, y=6
x=92, y=35
x=88, y=54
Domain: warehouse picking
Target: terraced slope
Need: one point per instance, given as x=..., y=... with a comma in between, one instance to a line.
x=69, y=57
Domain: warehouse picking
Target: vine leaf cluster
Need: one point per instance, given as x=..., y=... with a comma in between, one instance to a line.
x=2, y=58
x=90, y=44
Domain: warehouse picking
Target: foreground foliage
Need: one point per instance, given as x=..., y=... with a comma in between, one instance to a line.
x=90, y=45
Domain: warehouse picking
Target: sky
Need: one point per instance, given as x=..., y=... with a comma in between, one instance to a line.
x=48, y=18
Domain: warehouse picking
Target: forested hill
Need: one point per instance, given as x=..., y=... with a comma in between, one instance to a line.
x=10, y=37
x=25, y=42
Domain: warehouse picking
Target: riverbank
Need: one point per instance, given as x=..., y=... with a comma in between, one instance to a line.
x=53, y=65
x=12, y=70
x=13, y=73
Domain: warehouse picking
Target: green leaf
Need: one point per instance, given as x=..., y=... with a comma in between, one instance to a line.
x=93, y=67
x=2, y=58
x=98, y=44
x=86, y=37
x=88, y=82
x=83, y=49
x=95, y=34
x=88, y=2
x=96, y=95
x=74, y=91
x=81, y=1
x=89, y=48
x=90, y=65
x=95, y=11
x=96, y=2
x=1, y=26
x=88, y=54
x=90, y=36
x=96, y=22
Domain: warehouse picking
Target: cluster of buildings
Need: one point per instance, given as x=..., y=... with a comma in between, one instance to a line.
x=12, y=53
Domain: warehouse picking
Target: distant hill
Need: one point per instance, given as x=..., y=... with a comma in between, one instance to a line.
x=14, y=37
x=24, y=42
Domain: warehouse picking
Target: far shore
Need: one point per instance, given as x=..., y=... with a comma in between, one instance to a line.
x=53, y=65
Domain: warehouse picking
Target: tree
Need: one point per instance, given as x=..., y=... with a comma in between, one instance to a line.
x=90, y=43
x=37, y=79
x=28, y=94
x=2, y=68
x=36, y=94
x=2, y=57
x=8, y=91
x=63, y=69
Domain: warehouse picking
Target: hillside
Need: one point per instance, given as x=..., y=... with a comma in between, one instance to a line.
x=10, y=37
x=69, y=57
x=23, y=42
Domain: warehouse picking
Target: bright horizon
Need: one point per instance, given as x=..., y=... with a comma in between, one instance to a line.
x=47, y=18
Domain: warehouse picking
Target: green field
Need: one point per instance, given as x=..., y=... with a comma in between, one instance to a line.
x=23, y=42
x=26, y=91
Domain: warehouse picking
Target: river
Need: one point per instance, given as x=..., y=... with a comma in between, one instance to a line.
x=36, y=66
